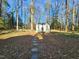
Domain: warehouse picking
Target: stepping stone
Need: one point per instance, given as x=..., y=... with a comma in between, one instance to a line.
x=34, y=49
x=35, y=44
x=34, y=56
x=34, y=53
x=34, y=41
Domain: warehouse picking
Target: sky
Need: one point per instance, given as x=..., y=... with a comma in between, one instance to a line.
x=40, y=8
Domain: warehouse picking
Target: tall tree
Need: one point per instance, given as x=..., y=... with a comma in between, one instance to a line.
x=56, y=11
x=32, y=9
x=3, y=13
x=0, y=7
x=67, y=12
x=78, y=15
x=17, y=10
x=62, y=15
x=73, y=20
x=12, y=13
x=48, y=11
x=5, y=3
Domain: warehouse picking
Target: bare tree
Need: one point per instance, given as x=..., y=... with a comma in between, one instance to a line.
x=0, y=7
x=32, y=14
x=17, y=4
x=78, y=14
x=67, y=12
x=48, y=11
x=5, y=3
x=73, y=20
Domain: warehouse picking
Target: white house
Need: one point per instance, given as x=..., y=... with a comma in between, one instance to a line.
x=42, y=27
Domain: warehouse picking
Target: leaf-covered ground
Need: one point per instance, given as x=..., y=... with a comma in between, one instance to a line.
x=52, y=46
x=59, y=46
x=16, y=48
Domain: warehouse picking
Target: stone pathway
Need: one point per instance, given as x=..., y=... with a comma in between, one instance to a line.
x=35, y=50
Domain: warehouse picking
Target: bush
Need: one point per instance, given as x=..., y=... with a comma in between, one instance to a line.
x=1, y=24
x=55, y=24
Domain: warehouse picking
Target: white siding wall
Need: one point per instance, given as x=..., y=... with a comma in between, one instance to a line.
x=40, y=28
x=46, y=28
x=37, y=29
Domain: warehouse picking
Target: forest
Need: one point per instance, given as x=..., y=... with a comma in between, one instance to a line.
x=61, y=15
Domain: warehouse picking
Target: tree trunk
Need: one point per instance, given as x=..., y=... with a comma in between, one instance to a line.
x=17, y=20
x=0, y=7
x=32, y=15
x=32, y=22
x=78, y=15
x=66, y=29
x=73, y=20
x=17, y=16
